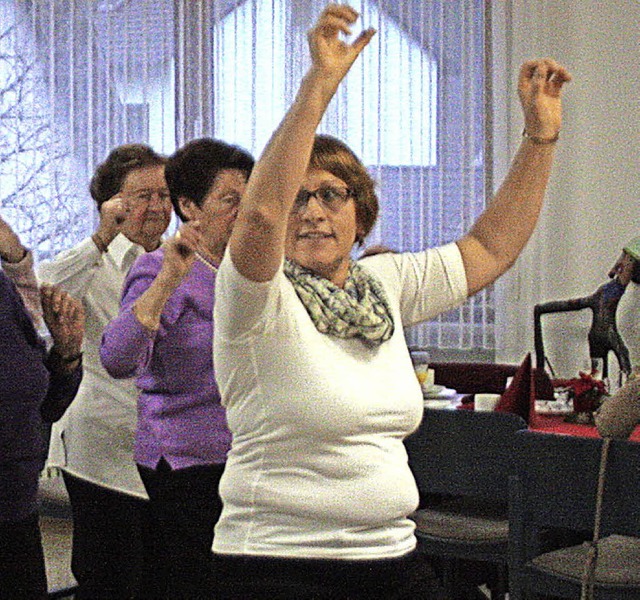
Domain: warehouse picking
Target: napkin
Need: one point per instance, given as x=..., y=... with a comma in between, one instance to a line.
x=519, y=397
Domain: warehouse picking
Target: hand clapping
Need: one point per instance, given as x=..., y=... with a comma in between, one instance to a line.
x=64, y=317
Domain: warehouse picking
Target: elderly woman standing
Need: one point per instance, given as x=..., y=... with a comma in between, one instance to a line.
x=163, y=336
x=113, y=529
x=310, y=354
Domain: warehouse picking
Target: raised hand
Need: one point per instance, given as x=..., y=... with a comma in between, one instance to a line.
x=332, y=55
x=11, y=249
x=179, y=250
x=113, y=212
x=64, y=317
x=179, y=255
x=539, y=86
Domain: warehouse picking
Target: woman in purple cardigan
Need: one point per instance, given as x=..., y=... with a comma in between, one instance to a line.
x=36, y=387
x=163, y=336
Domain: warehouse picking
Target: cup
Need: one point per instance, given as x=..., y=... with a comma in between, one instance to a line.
x=421, y=372
x=425, y=376
x=485, y=402
x=429, y=381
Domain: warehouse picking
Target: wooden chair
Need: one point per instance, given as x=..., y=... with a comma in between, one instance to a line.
x=553, y=501
x=462, y=460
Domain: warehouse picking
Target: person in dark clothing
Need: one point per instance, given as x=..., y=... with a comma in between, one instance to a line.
x=36, y=387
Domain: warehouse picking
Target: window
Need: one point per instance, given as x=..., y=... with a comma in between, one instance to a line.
x=99, y=74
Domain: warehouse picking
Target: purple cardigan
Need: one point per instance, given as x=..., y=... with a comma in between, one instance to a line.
x=32, y=393
x=179, y=413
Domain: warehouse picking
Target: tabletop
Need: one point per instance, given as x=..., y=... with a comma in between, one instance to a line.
x=550, y=423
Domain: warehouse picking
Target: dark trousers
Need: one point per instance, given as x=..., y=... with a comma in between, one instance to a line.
x=22, y=573
x=113, y=544
x=252, y=578
x=186, y=505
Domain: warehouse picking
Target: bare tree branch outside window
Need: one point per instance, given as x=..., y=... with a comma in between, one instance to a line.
x=36, y=186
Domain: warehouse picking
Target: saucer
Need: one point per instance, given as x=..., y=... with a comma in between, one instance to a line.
x=438, y=392
x=431, y=390
x=437, y=403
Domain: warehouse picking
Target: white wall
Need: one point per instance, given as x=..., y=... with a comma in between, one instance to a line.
x=593, y=203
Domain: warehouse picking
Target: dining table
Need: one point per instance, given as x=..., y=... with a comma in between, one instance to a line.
x=561, y=424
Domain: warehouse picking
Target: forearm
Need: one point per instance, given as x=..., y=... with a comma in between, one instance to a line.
x=149, y=306
x=24, y=278
x=65, y=378
x=127, y=346
x=73, y=269
x=501, y=232
x=257, y=242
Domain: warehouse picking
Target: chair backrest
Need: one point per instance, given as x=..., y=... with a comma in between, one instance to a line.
x=464, y=453
x=475, y=377
x=471, y=378
x=557, y=480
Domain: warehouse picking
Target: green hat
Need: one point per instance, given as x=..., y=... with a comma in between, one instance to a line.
x=633, y=248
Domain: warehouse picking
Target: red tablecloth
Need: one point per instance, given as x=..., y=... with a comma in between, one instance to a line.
x=557, y=424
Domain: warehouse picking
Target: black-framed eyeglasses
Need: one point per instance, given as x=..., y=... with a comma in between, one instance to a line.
x=146, y=196
x=332, y=198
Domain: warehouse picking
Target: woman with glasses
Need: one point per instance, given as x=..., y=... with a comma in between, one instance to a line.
x=310, y=354
x=163, y=336
x=93, y=443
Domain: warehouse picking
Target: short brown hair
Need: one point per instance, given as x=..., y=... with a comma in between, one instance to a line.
x=110, y=175
x=192, y=170
x=332, y=155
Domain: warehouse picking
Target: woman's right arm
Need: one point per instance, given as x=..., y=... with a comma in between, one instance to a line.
x=74, y=269
x=128, y=340
x=257, y=242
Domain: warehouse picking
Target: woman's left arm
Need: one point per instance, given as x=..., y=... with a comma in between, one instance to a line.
x=17, y=263
x=501, y=232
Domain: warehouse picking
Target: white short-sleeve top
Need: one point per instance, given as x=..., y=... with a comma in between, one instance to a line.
x=317, y=467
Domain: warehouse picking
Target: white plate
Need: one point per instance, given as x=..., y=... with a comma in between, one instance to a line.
x=553, y=407
x=438, y=392
x=431, y=403
x=432, y=390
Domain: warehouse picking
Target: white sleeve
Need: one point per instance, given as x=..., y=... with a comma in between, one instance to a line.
x=424, y=284
x=73, y=269
x=242, y=306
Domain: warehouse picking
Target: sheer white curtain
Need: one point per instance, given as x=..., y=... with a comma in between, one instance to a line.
x=102, y=73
